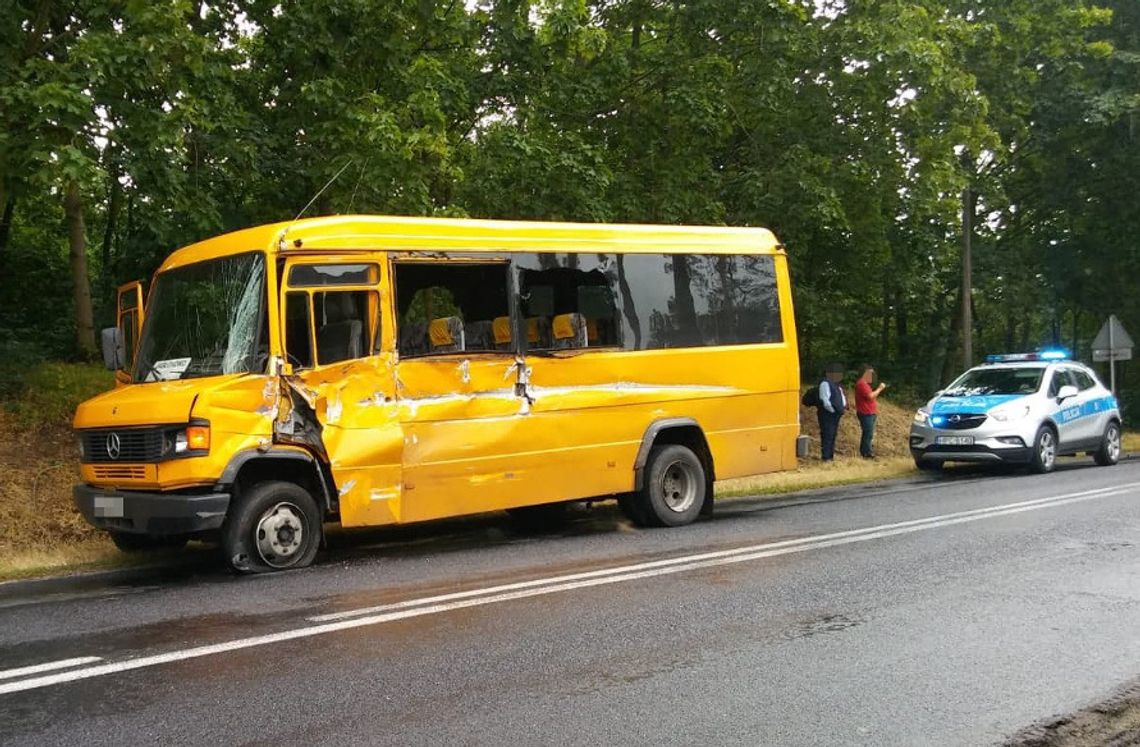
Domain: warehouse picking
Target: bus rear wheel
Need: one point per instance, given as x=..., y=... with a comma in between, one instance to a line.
x=673, y=489
x=274, y=526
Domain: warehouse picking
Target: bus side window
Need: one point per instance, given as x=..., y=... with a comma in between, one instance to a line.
x=451, y=308
x=342, y=329
x=298, y=344
x=576, y=302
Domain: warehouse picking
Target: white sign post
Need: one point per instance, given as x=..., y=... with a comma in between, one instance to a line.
x=1112, y=344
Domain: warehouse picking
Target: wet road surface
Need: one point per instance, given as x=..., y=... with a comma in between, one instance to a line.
x=954, y=612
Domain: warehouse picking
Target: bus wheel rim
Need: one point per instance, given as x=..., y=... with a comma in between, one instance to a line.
x=280, y=534
x=679, y=487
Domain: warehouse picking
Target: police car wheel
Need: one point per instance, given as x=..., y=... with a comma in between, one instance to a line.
x=1109, y=452
x=1044, y=451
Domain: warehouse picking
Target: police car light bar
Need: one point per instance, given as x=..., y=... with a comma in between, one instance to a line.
x=1041, y=355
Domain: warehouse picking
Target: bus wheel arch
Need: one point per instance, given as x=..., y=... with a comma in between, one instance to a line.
x=271, y=526
x=684, y=434
x=275, y=521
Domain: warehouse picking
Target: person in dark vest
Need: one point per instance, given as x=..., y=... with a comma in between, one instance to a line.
x=832, y=404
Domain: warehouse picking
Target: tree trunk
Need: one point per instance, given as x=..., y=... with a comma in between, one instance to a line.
x=885, y=328
x=77, y=242
x=949, y=365
x=8, y=200
x=967, y=323
x=114, y=206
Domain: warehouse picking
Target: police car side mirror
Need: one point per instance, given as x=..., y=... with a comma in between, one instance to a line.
x=1065, y=392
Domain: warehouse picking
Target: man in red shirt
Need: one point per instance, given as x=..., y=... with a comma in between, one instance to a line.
x=867, y=408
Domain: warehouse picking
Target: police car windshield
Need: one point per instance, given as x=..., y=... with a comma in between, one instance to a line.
x=980, y=382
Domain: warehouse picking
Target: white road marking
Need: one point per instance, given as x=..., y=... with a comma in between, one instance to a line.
x=51, y=666
x=538, y=587
x=568, y=578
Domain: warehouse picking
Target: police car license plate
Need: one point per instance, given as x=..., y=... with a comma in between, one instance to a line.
x=955, y=441
x=109, y=506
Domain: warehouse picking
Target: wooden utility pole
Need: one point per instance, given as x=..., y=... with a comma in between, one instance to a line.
x=968, y=198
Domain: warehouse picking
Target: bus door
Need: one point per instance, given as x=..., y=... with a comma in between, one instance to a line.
x=464, y=423
x=337, y=333
x=129, y=320
x=588, y=402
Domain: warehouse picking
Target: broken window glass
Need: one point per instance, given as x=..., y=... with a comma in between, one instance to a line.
x=206, y=319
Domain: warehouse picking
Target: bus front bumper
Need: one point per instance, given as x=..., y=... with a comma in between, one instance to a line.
x=151, y=513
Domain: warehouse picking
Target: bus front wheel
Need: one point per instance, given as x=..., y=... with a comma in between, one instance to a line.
x=274, y=526
x=673, y=490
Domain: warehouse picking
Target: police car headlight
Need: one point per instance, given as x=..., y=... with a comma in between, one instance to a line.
x=1007, y=414
x=922, y=417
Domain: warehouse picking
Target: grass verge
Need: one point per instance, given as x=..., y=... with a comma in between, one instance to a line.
x=812, y=475
x=1131, y=442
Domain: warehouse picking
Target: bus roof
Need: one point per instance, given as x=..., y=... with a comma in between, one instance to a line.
x=391, y=233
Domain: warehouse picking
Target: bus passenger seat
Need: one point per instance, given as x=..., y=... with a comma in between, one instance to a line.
x=477, y=336
x=592, y=332
x=501, y=330
x=413, y=338
x=341, y=337
x=538, y=332
x=569, y=331
x=445, y=335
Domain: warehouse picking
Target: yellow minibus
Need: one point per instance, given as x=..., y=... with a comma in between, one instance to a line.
x=380, y=370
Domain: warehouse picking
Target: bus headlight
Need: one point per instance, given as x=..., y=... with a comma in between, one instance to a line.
x=192, y=438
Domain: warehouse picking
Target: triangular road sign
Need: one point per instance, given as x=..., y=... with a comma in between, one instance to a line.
x=1114, y=329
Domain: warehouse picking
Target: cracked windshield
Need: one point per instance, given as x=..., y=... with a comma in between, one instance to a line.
x=205, y=319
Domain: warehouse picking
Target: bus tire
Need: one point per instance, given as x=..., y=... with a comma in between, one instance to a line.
x=274, y=526
x=129, y=542
x=674, y=487
x=630, y=506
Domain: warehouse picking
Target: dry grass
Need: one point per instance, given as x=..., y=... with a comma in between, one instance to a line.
x=817, y=474
x=1131, y=442
x=891, y=447
x=39, y=528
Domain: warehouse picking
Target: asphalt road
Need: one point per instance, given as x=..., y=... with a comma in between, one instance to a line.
x=957, y=611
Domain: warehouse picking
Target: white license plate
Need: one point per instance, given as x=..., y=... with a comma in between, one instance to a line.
x=109, y=506
x=954, y=440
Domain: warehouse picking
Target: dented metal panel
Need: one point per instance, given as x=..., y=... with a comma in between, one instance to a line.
x=414, y=438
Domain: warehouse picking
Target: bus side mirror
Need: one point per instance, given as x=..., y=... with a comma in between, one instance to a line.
x=114, y=355
x=1065, y=392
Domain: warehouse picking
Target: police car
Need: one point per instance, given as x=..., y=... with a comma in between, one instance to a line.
x=1026, y=408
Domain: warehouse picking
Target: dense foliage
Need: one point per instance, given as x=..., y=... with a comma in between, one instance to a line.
x=851, y=127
